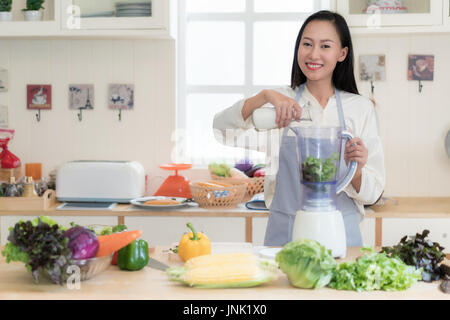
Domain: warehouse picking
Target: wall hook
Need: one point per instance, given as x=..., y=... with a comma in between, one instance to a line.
x=120, y=114
x=372, y=87
x=38, y=115
x=420, y=86
x=80, y=115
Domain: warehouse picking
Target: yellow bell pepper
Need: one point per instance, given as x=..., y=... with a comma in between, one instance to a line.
x=193, y=244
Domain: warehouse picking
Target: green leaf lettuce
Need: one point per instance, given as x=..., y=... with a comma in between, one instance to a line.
x=374, y=271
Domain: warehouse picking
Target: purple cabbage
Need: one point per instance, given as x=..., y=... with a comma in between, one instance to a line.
x=244, y=165
x=83, y=242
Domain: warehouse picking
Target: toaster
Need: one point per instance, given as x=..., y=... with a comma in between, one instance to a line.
x=100, y=181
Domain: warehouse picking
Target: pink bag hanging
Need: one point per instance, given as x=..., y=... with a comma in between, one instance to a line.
x=7, y=159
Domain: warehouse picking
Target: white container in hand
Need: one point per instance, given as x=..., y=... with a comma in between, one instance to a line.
x=264, y=118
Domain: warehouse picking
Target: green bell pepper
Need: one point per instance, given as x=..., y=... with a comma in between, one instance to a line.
x=134, y=256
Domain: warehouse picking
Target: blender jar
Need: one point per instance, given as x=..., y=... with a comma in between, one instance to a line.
x=319, y=155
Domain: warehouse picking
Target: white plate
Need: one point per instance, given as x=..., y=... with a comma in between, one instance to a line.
x=139, y=202
x=269, y=253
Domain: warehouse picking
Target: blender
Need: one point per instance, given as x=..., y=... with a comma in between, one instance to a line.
x=319, y=155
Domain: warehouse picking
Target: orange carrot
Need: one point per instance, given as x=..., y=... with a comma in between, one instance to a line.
x=110, y=243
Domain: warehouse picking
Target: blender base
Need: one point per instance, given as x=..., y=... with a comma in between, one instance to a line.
x=326, y=227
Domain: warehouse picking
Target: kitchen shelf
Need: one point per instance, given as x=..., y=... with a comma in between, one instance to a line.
x=60, y=23
x=45, y=202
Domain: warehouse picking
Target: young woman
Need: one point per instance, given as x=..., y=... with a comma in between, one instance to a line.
x=323, y=79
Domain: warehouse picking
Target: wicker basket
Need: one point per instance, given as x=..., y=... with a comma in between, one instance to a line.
x=254, y=185
x=211, y=197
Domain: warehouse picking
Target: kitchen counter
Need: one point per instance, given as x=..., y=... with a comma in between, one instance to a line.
x=151, y=284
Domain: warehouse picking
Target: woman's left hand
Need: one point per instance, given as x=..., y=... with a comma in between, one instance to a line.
x=355, y=150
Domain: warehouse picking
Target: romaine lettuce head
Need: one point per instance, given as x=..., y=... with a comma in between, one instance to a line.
x=307, y=263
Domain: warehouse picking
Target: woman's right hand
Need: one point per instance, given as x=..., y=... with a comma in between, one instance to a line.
x=286, y=108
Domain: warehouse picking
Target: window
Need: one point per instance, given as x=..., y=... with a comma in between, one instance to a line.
x=227, y=51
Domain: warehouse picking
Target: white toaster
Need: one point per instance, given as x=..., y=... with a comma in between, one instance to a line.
x=100, y=181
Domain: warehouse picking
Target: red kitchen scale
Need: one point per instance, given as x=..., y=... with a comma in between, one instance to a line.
x=176, y=185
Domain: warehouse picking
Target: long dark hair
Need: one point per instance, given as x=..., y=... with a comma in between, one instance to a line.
x=343, y=74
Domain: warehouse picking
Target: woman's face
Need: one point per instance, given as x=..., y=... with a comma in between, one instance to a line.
x=319, y=51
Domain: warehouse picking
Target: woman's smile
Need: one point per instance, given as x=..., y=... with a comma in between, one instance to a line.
x=313, y=66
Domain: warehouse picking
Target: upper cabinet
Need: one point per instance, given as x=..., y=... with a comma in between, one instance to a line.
x=447, y=13
x=394, y=15
x=19, y=27
x=96, y=19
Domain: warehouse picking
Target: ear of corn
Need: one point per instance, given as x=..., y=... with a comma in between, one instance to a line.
x=226, y=270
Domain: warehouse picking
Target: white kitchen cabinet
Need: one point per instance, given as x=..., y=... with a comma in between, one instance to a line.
x=424, y=15
x=89, y=19
x=446, y=13
x=84, y=18
x=48, y=26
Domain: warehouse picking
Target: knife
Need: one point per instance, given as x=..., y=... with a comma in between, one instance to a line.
x=155, y=264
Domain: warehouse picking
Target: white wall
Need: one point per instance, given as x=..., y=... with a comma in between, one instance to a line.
x=413, y=125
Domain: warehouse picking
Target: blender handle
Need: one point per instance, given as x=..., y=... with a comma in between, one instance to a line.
x=351, y=169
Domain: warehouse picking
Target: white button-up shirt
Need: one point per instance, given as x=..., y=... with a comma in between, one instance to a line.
x=360, y=119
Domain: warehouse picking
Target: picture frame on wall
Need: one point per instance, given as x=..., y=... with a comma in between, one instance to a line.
x=81, y=96
x=121, y=96
x=372, y=67
x=39, y=96
x=420, y=67
x=3, y=80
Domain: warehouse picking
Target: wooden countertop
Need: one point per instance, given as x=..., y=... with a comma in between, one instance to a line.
x=130, y=210
x=411, y=207
x=151, y=284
